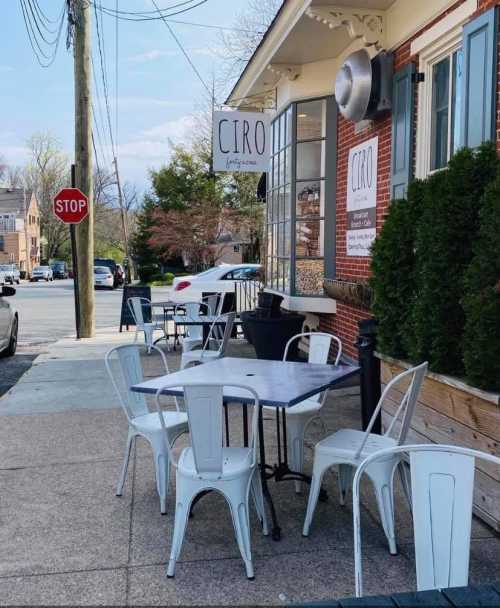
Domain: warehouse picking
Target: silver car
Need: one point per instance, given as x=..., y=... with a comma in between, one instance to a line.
x=11, y=273
x=9, y=323
x=42, y=273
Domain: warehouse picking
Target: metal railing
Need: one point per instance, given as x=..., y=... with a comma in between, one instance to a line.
x=247, y=294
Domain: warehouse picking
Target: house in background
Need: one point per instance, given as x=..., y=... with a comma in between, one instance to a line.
x=19, y=229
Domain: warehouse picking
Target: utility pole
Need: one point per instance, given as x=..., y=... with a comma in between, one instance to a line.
x=83, y=162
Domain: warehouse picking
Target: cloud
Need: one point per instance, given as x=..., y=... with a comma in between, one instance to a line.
x=150, y=56
x=148, y=102
x=6, y=68
x=175, y=130
x=15, y=155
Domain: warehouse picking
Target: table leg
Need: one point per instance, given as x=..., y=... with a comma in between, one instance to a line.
x=275, y=530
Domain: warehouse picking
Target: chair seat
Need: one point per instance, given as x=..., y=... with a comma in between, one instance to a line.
x=234, y=462
x=149, y=423
x=308, y=406
x=347, y=441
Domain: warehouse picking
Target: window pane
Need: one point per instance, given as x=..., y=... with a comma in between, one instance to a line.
x=289, y=125
x=440, y=101
x=275, y=171
x=276, y=136
x=282, y=131
x=456, y=101
x=281, y=212
x=310, y=160
x=310, y=198
x=287, y=238
x=282, y=167
x=288, y=165
x=286, y=276
x=309, y=239
x=288, y=201
x=309, y=275
x=269, y=207
x=311, y=119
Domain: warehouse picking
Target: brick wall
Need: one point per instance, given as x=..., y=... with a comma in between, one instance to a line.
x=345, y=323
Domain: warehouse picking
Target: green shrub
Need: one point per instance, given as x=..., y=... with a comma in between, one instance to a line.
x=393, y=261
x=445, y=234
x=147, y=271
x=481, y=302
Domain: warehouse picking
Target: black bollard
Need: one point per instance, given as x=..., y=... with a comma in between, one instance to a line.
x=370, y=373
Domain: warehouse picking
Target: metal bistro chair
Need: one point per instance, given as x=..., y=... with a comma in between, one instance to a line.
x=136, y=306
x=442, y=481
x=193, y=334
x=123, y=364
x=206, y=465
x=300, y=416
x=347, y=448
x=204, y=354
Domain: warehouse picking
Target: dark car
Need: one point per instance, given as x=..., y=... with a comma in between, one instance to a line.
x=60, y=270
x=112, y=265
x=8, y=323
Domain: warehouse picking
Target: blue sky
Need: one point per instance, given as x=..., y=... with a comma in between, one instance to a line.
x=158, y=92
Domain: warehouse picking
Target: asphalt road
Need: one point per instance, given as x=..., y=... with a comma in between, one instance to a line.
x=47, y=313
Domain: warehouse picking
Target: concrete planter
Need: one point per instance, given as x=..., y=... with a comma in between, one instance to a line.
x=452, y=412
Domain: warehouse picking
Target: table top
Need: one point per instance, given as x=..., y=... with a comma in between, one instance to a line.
x=277, y=383
x=200, y=320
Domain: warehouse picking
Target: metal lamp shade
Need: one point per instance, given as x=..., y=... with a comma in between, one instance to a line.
x=353, y=85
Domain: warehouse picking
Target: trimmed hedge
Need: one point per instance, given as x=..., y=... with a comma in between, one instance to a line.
x=482, y=298
x=431, y=250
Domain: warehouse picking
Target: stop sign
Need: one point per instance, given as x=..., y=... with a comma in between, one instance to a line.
x=71, y=206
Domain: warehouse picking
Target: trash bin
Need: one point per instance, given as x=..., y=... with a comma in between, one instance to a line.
x=370, y=372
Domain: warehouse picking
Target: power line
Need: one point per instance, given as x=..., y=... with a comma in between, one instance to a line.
x=184, y=52
x=138, y=18
x=143, y=13
x=215, y=27
x=33, y=24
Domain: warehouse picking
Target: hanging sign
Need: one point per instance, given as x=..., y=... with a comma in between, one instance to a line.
x=241, y=142
x=362, y=197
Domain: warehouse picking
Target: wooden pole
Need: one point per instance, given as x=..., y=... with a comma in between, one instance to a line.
x=83, y=162
x=124, y=217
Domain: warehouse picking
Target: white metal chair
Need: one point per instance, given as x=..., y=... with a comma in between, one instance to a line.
x=300, y=416
x=193, y=334
x=347, y=448
x=442, y=480
x=204, y=354
x=123, y=364
x=136, y=306
x=207, y=465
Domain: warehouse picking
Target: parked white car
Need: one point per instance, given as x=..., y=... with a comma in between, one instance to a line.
x=42, y=273
x=103, y=277
x=8, y=323
x=220, y=279
x=11, y=273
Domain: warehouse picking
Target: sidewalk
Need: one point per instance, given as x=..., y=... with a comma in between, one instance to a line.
x=66, y=538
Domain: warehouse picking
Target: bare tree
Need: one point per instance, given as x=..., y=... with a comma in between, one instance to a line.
x=15, y=176
x=46, y=173
x=237, y=46
x=3, y=168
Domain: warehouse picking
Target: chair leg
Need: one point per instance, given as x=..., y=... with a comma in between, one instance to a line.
x=258, y=499
x=405, y=477
x=315, y=488
x=345, y=480
x=123, y=476
x=162, y=471
x=382, y=479
x=181, y=518
x=241, y=522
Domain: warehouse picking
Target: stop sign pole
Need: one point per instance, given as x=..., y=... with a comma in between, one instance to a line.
x=71, y=207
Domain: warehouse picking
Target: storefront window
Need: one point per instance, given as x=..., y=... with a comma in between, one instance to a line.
x=446, y=99
x=296, y=232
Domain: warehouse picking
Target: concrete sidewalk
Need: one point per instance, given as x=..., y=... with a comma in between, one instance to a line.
x=66, y=538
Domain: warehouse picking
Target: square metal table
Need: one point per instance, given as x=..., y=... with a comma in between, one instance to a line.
x=280, y=384
x=205, y=321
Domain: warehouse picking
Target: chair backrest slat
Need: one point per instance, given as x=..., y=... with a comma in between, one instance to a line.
x=136, y=306
x=204, y=408
x=442, y=488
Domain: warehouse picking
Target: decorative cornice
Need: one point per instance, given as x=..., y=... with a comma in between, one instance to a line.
x=362, y=24
x=289, y=70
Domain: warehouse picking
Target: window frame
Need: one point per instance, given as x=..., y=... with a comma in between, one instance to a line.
x=327, y=217
x=445, y=47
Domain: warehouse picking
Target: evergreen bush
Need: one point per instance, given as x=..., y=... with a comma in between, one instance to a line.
x=445, y=234
x=393, y=261
x=481, y=302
